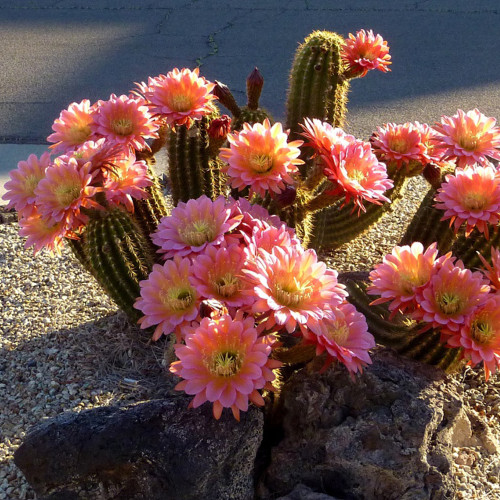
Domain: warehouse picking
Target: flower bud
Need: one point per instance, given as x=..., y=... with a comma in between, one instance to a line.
x=225, y=97
x=255, y=82
x=432, y=174
x=286, y=197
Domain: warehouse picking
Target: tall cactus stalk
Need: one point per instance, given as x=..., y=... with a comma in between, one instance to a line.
x=318, y=87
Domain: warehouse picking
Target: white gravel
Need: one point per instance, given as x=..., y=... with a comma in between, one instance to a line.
x=65, y=347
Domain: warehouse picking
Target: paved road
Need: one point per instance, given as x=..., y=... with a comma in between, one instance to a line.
x=446, y=54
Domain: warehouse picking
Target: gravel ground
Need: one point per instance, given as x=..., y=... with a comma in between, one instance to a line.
x=65, y=347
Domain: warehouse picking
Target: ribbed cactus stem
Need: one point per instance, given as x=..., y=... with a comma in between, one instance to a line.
x=334, y=226
x=318, y=88
x=188, y=161
x=149, y=212
x=322, y=200
x=466, y=248
x=77, y=247
x=408, y=339
x=120, y=256
x=250, y=116
x=315, y=173
x=427, y=226
x=298, y=354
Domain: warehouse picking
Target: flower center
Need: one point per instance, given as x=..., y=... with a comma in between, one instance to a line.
x=482, y=331
x=197, y=233
x=79, y=133
x=67, y=194
x=475, y=201
x=357, y=175
x=227, y=285
x=338, y=332
x=180, y=103
x=398, y=145
x=291, y=294
x=178, y=299
x=449, y=303
x=469, y=142
x=409, y=281
x=30, y=184
x=225, y=363
x=261, y=163
x=122, y=126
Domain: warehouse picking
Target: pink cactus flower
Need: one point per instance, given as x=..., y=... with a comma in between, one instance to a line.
x=479, y=336
x=402, y=273
x=344, y=337
x=20, y=189
x=452, y=293
x=168, y=299
x=65, y=189
x=469, y=138
x=195, y=225
x=471, y=196
x=217, y=274
x=226, y=363
x=41, y=233
x=125, y=121
x=73, y=127
x=260, y=157
x=364, y=52
x=356, y=173
x=179, y=97
x=399, y=144
x=324, y=138
x=126, y=182
x=293, y=288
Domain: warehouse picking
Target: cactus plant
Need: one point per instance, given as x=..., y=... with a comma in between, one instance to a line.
x=322, y=182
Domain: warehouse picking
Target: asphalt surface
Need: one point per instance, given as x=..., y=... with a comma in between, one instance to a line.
x=446, y=55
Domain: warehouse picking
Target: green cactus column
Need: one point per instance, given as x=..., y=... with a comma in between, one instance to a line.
x=318, y=88
x=118, y=255
x=193, y=170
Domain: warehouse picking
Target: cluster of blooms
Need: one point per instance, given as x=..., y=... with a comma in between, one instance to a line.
x=463, y=305
x=349, y=164
x=97, y=165
x=266, y=283
x=53, y=196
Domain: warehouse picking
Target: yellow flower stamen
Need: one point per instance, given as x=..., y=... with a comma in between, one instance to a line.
x=225, y=363
x=178, y=299
x=261, y=163
x=449, y=303
x=67, y=194
x=226, y=285
x=482, y=331
x=122, y=126
x=180, y=103
x=291, y=293
x=197, y=233
x=475, y=201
